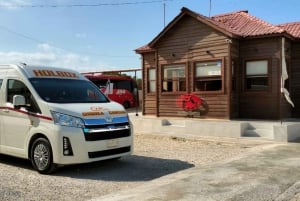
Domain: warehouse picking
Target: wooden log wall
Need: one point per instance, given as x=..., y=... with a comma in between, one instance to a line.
x=236, y=79
x=188, y=42
x=295, y=75
x=261, y=104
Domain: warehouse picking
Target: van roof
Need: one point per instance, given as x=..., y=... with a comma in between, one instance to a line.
x=31, y=71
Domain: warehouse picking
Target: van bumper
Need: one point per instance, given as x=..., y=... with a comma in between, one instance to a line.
x=84, y=151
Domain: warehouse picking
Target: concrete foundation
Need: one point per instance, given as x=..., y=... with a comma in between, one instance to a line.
x=288, y=131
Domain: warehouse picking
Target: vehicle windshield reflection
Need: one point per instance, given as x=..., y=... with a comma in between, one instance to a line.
x=68, y=91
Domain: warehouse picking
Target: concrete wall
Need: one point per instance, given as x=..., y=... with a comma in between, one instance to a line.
x=271, y=130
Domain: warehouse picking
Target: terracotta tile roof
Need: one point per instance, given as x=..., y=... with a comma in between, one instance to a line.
x=292, y=28
x=234, y=24
x=218, y=25
x=145, y=48
x=245, y=25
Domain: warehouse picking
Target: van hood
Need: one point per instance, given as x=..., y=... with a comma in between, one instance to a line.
x=89, y=110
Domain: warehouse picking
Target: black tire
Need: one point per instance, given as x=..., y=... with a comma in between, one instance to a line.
x=41, y=156
x=126, y=105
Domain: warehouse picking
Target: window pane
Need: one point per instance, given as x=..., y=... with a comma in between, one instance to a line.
x=15, y=87
x=257, y=75
x=123, y=84
x=204, y=69
x=152, y=86
x=257, y=83
x=174, y=78
x=151, y=80
x=152, y=74
x=257, y=67
x=208, y=76
x=175, y=71
x=209, y=85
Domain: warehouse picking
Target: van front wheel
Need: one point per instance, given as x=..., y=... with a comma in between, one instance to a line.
x=41, y=156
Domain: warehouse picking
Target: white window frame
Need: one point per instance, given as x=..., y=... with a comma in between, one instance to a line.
x=257, y=75
x=174, y=78
x=151, y=80
x=209, y=76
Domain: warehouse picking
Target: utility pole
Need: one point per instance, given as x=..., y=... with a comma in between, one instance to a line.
x=209, y=8
x=164, y=13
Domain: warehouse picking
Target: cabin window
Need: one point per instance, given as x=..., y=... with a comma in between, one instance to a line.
x=151, y=80
x=16, y=87
x=257, y=75
x=1, y=83
x=174, y=78
x=208, y=76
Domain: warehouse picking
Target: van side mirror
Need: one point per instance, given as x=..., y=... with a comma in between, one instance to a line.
x=19, y=100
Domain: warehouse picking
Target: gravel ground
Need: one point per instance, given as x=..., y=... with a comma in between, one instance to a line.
x=154, y=156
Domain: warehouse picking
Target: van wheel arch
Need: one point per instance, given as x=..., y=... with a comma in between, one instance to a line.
x=33, y=138
x=35, y=142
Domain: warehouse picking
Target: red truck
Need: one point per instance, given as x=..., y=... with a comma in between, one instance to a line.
x=121, y=89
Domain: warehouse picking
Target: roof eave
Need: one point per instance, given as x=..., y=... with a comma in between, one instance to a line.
x=144, y=51
x=186, y=11
x=284, y=34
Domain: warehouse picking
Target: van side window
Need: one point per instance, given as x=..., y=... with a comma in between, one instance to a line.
x=16, y=87
x=1, y=83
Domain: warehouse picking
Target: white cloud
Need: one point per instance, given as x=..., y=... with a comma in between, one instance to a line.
x=44, y=47
x=12, y=4
x=81, y=35
x=47, y=55
x=18, y=57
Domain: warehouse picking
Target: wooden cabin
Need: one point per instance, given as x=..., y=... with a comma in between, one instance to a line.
x=231, y=64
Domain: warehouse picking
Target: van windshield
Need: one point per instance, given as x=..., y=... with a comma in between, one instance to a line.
x=68, y=91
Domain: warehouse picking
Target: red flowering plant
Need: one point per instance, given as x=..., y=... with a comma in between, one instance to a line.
x=189, y=102
x=192, y=105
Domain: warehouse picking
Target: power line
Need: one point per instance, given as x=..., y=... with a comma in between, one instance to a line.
x=82, y=5
x=20, y=34
x=56, y=47
x=70, y=6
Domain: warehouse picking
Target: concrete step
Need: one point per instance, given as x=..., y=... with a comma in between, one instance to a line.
x=260, y=125
x=173, y=123
x=265, y=130
x=264, y=133
x=259, y=129
x=173, y=129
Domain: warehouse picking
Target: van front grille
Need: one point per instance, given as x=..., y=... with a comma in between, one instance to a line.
x=107, y=132
x=109, y=152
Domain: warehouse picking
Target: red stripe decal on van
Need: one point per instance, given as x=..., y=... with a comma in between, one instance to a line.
x=27, y=113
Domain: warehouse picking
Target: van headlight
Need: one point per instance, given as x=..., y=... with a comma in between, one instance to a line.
x=67, y=120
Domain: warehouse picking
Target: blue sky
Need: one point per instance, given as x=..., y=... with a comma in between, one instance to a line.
x=96, y=38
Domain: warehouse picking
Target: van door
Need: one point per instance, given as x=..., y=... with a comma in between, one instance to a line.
x=16, y=121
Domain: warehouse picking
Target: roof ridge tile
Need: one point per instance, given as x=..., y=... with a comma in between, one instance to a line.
x=289, y=23
x=230, y=13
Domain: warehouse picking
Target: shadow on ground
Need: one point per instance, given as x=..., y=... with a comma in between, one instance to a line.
x=13, y=161
x=129, y=168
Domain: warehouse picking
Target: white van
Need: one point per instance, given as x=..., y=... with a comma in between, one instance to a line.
x=55, y=116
